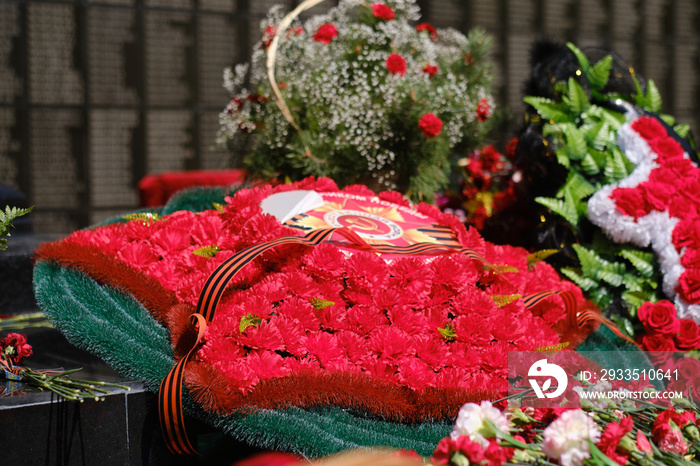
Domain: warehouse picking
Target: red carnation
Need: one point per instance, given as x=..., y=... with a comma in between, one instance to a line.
x=430, y=69
x=429, y=28
x=14, y=347
x=396, y=64
x=686, y=233
x=430, y=125
x=326, y=33
x=382, y=11
x=612, y=436
x=689, y=286
x=631, y=201
x=666, y=430
x=649, y=128
x=483, y=110
x=666, y=148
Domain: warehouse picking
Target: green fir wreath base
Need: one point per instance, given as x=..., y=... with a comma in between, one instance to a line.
x=114, y=326
x=118, y=329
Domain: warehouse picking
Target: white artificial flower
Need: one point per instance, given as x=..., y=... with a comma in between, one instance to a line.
x=471, y=421
x=566, y=439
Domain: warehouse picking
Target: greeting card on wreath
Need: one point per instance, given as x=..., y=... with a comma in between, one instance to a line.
x=285, y=318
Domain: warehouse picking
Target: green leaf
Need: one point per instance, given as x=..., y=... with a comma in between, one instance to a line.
x=539, y=256
x=653, y=97
x=503, y=300
x=613, y=118
x=600, y=72
x=575, y=142
x=563, y=157
x=578, y=186
x=320, y=303
x=146, y=217
x=249, y=320
x=668, y=119
x=589, y=165
x=206, y=251
x=615, y=166
x=633, y=282
x=623, y=323
x=550, y=110
x=584, y=283
x=592, y=134
x=504, y=268
x=643, y=262
x=576, y=98
x=599, y=457
x=448, y=333
x=610, y=277
x=6, y=219
x=591, y=263
x=580, y=56
x=560, y=207
x=682, y=130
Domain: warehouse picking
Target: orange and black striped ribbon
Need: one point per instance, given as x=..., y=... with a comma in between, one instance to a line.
x=577, y=319
x=170, y=394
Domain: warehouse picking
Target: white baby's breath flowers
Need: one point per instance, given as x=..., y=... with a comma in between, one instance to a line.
x=358, y=117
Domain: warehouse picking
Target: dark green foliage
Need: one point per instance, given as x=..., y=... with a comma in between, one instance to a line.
x=6, y=219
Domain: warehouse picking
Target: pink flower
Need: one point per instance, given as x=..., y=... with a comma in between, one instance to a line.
x=326, y=33
x=643, y=443
x=483, y=110
x=396, y=64
x=430, y=125
x=566, y=439
x=382, y=11
x=673, y=442
x=429, y=29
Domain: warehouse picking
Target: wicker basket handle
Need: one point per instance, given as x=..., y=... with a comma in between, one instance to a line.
x=272, y=54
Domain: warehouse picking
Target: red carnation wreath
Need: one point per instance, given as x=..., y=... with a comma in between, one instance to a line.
x=406, y=338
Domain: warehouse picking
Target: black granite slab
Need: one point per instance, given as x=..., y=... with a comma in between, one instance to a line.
x=39, y=428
